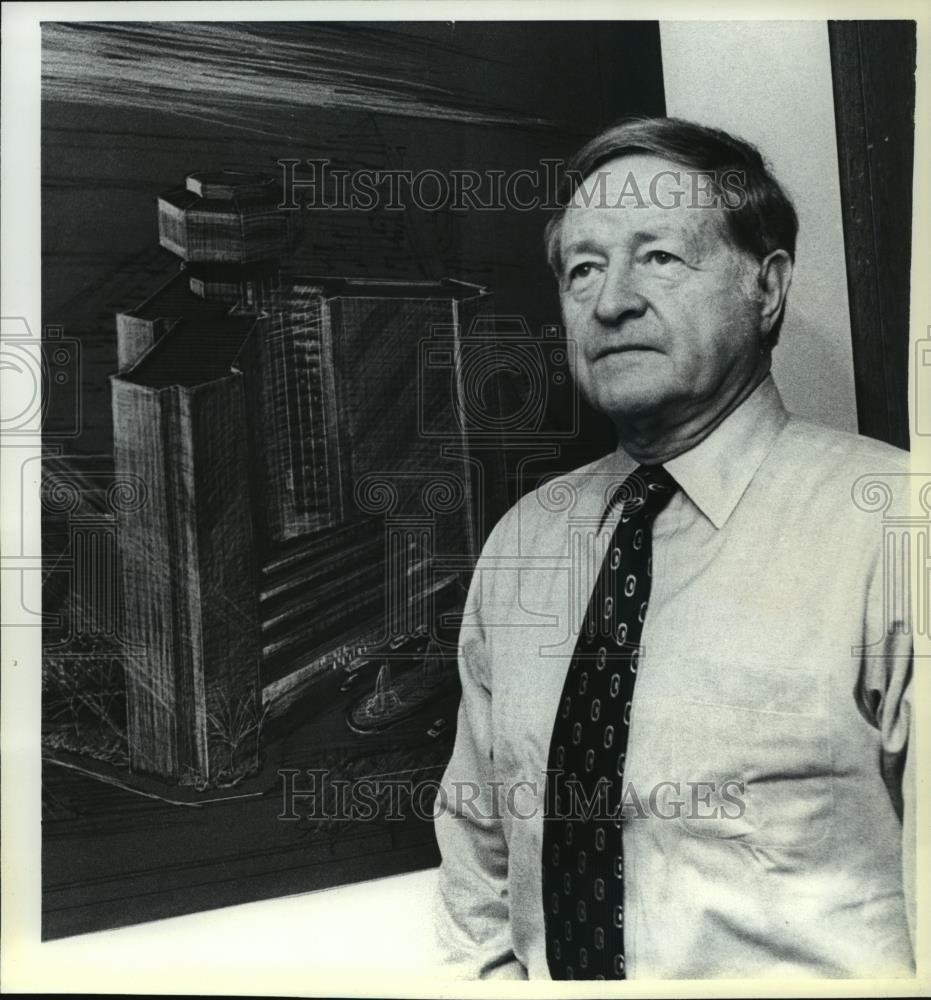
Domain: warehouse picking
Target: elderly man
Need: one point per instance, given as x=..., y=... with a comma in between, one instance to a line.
x=682, y=747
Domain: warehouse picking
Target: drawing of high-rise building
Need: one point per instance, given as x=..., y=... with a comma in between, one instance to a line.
x=188, y=561
x=303, y=475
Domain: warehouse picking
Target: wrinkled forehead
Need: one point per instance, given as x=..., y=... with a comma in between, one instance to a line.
x=640, y=191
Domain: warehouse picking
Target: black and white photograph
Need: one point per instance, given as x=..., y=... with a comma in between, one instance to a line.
x=466, y=498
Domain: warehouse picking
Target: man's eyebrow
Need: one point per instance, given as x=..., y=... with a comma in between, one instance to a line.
x=583, y=246
x=661, y=233
x=635, y=239
x=685, y=239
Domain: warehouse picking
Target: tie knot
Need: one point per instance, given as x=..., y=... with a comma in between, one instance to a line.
x=645, y=492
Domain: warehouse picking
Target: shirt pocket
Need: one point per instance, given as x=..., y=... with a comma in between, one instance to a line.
x=755, y=741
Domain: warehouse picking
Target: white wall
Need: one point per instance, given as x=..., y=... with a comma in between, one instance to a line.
x=359, y=940
x=770, y=82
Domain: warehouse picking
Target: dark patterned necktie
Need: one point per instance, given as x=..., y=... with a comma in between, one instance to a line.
x=583, y=862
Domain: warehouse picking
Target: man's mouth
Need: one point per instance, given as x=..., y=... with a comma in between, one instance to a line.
x=623, y=349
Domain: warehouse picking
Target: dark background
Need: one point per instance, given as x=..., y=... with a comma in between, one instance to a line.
x=130, y=109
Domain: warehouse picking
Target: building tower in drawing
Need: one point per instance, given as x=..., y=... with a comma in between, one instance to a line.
x=189, y=563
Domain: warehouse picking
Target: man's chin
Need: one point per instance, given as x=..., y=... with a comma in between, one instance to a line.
x=633, y=402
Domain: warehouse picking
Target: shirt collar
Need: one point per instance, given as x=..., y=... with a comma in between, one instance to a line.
x=715, y=473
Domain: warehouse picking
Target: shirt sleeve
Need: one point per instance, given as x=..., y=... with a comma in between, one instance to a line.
x=471, y=905
x=885, y=698
x=895, y=726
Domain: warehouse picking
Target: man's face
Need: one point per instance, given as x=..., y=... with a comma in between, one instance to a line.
x=663, y=309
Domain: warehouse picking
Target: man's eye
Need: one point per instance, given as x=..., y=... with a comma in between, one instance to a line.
x=662, y=257
x=581, y=271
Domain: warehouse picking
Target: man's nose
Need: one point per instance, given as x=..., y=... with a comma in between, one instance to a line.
x=619, y=296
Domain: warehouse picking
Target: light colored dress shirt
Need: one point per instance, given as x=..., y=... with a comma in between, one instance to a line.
x=775, y=654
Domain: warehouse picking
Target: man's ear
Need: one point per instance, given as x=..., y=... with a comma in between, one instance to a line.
x=774, y=278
